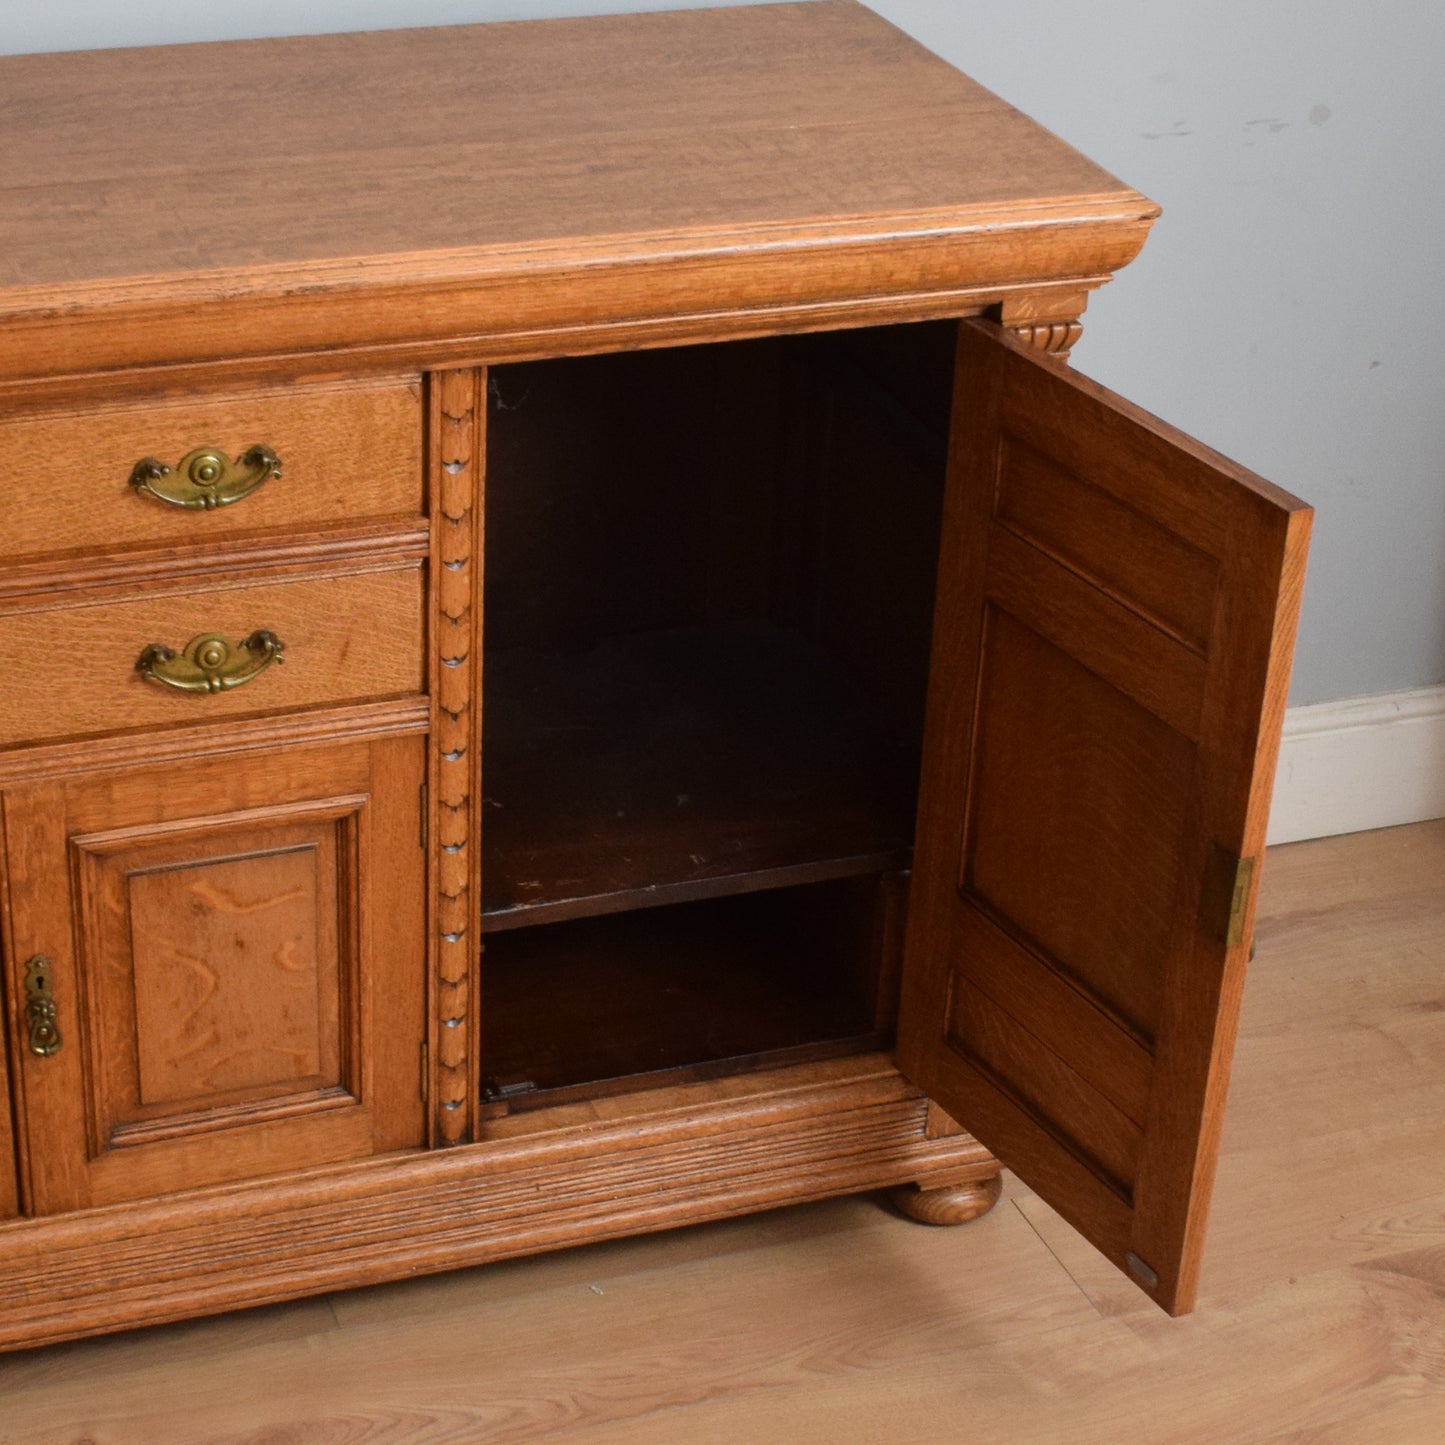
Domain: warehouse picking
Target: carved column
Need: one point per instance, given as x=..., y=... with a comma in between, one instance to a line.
x=457, y=462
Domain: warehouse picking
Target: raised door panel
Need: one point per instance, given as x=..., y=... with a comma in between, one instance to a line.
x=237, y=958
x=1115, y=617
x=223, y=984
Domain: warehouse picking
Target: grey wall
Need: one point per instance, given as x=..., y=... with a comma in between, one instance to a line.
x=1290, y=306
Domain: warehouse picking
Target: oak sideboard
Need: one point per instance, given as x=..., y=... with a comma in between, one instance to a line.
x=575, y=659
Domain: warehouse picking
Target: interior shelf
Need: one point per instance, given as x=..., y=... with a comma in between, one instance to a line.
x=597, y=1004
x=679, y=765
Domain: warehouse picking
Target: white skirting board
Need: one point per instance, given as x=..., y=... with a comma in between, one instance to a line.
x=1362, y=762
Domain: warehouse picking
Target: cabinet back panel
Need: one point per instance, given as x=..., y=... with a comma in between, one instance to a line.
x=793, y=478
x=709, y=590
x=600, y=497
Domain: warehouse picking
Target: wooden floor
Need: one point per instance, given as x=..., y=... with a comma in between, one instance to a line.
x=1321, y=1322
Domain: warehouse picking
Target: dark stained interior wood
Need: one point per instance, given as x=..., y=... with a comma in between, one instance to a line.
x=725, y=986
x=670, y=765
x=708, y=597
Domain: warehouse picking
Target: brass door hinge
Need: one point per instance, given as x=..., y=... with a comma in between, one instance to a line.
x=1227, y=885
x=1239, y=901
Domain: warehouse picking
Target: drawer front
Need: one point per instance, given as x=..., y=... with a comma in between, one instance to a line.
x=200, y=468
x=72, y=671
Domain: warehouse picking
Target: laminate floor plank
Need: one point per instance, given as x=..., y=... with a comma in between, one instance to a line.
x=1292, y=1362
x=1320, y=1320
x=581, y=1354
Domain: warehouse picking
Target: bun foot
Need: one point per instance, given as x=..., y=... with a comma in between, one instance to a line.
x=952, y=1204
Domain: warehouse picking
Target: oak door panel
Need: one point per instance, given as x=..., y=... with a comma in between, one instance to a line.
x=238, y=964
x=222, y=980
x=1115, y=617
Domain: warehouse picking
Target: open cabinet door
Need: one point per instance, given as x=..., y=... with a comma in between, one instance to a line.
x=1116, y=613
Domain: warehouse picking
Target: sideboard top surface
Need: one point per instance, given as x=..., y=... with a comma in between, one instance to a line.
x=433, y=157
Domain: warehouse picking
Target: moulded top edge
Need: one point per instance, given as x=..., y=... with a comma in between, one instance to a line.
x=300, y=161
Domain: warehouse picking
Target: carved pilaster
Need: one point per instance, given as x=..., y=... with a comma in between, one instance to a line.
x=1056, y=338
x=458, y=452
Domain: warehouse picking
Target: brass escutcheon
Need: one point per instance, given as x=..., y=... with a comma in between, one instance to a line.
x=206, y=478
x=40, y=1011
x=209, y=663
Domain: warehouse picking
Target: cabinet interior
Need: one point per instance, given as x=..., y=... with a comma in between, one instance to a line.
x=708, y=603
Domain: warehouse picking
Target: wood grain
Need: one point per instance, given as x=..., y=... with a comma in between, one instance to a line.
x=346, y=449
x=1116, y=547
x=725, y=983
x=394, y=717
x=786, y=147
x=1318, y=1321
x=701, y=322
x=71, y=670
x=334, y=549
x=1098, y=887
x=695, y=762
x=692, y=1153
x=229, y=972
x=1087, y=771
x=168, y=915
x=950, y=1205
x=457, y=453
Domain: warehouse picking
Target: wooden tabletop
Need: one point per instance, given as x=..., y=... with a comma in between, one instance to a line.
x=188, y=174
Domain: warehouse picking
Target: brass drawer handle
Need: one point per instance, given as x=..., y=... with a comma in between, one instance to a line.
x=40, y=1013
x=209, y=663
x=206, y=477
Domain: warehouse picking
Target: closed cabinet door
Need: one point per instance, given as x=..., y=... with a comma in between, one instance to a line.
x=1116, y=612
x=217, y=970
